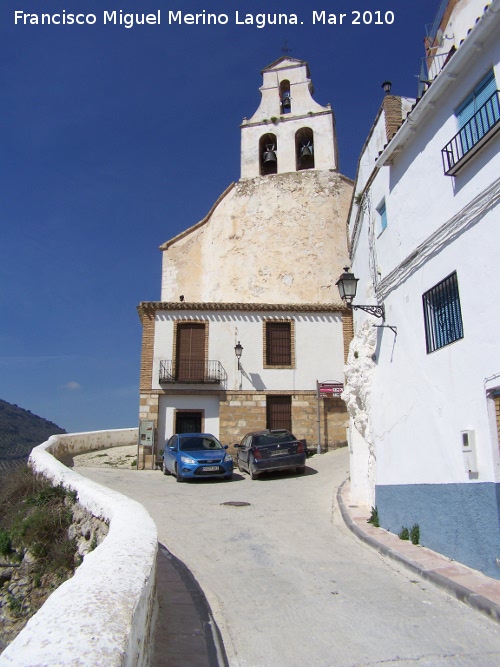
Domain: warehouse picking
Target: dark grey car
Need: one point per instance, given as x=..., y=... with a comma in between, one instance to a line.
x=270, y=450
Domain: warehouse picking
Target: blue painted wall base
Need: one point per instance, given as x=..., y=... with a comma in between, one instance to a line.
x=461, y=521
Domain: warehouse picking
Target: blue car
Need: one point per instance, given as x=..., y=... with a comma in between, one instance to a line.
x=195, y=455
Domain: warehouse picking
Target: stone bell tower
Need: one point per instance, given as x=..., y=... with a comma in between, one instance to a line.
x=289, y=132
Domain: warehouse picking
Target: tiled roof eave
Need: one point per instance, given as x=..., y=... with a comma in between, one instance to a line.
x=153, y=306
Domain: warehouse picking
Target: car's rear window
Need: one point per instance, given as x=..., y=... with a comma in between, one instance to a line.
x=273, y=438
x=196, y=443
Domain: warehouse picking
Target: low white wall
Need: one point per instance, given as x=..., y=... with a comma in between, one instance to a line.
x=103, y=615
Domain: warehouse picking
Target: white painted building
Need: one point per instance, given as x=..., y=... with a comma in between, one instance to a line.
x=424, y=395
x=258, y=270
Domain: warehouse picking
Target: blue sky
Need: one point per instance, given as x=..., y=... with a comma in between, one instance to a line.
x=113, y=140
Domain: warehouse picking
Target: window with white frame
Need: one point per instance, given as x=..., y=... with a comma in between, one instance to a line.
x=442, y=314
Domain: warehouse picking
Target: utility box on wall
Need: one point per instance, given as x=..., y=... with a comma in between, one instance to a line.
x=469, y=451
x=145, y=444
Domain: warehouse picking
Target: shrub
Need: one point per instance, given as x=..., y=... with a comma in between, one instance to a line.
x=35, y=515
x=5, y=543
x=374, y=520
x=415, y=534
x=404, y=534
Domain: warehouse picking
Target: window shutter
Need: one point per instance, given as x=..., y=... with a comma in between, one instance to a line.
x=190, y=361
x=476, y=99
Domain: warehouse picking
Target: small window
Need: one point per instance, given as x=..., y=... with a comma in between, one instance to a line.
x=442, y=314
x=382, y=217
x=278, y=350
x=279, y=412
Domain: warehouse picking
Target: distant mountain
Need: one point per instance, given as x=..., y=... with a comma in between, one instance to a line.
x=20, y=431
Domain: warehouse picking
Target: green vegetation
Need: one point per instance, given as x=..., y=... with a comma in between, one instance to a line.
x=404, y=533
x=412, y=534
x=415, y=534
x=35, y=517
x=374, y=520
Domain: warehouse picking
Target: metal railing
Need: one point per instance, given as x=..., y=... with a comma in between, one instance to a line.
x=430, y=67
x=432, y=28
x=472, y=135
x=192, y=371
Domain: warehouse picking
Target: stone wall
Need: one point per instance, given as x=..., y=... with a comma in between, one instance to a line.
x=104, y=614
x=236, y=255
x=241, y=412
x=23, y=589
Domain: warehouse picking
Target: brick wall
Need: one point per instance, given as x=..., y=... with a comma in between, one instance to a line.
x=393, y=115
x=347, y=331
x=148, y=337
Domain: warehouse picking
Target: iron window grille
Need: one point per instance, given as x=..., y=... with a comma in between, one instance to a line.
x=279, y=412
x=278, y=343
x=442, y=314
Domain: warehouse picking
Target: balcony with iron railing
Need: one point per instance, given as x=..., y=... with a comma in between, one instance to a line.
x=192, y=371
x=430, y=67
x=472, y=136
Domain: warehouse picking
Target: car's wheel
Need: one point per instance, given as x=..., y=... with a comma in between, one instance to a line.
x=252, y=468
x=300, y=470
x=240, y=467
x=178, y=475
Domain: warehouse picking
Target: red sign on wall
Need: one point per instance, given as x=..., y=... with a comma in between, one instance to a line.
x=333, y=389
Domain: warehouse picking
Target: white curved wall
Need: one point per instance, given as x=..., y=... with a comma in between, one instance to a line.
x=103, y=615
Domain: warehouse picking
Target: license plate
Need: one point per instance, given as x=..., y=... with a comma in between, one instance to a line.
x=210, y=468
x=279, y=452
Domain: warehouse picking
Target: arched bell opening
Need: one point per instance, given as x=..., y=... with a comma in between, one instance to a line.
x=304, y=149
x=285, y=97
x=268, y=146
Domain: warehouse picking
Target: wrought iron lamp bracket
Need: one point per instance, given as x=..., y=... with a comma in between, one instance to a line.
x=376, y=311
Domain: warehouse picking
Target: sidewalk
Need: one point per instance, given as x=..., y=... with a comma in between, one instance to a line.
x=470, y=586
x=186, y=634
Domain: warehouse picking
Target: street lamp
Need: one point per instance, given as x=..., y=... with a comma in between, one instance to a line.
x=347, y=285
x=238, y=350
x=387, y=85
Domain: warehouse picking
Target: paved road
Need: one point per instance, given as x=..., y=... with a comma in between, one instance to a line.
x=290, y=586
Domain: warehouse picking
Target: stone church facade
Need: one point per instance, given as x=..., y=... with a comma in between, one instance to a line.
x=258, y=273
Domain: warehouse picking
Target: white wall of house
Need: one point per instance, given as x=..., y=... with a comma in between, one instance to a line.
x=170, y=403
x=420, y=403
x=318, y=347
x=448, y=386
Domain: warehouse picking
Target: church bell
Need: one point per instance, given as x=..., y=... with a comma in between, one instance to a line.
x=269, y=154
x=306, y=151
x=286, y=103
